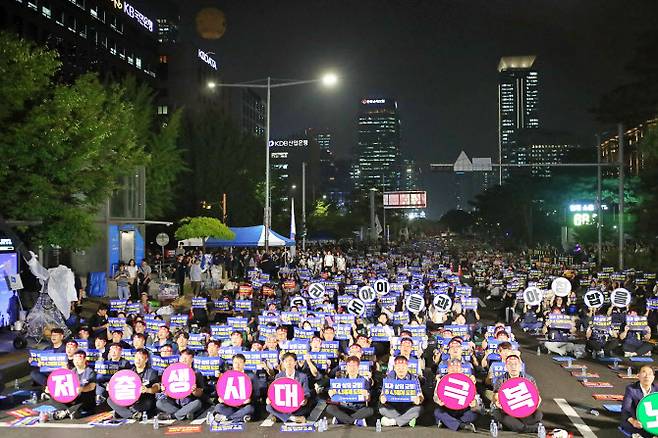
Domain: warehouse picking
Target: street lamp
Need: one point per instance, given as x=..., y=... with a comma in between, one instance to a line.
x=328, y=80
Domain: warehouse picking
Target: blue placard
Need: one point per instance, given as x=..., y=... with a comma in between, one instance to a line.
x=178, y=321
x=221, y=332
x=303, y=334
x=116, y=323
x=330, y=347
x=222, y=305
x=208, y=366
x=199, y=303
x=160, y=363
x=300, y=348
x=118, y=305
x=400, y=391
x=106, y=367
x=243, y=305
x=197, y=341
x=348, y=390
x=132, y=309
x=321, y=359
x=49, y=361
x=238, y=323
x=153, y=325
x=378, y=333
x=34, y=357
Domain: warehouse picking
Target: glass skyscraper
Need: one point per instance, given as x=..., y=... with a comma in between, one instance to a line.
x=378, y=147
x=518, y=101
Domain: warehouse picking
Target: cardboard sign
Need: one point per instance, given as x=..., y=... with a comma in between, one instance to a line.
x=456, y=390
x=234, y=387
x=63, y=385
x=285, y=395
x=518, y=397
x=125, y=387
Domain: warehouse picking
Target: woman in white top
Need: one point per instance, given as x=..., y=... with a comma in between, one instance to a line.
x=132, y=277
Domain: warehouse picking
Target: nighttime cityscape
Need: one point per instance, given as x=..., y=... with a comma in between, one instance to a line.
x=329, y=216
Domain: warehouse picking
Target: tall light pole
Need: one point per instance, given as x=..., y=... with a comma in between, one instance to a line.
x=328, y=80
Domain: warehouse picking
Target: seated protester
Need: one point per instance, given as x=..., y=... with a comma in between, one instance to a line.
x=501, y=336
x=236, y=340
x=84, y=333
x=186, y=408
x=384, y=323
x=139, y=326
x=635, y=340
x=497, y=368
x=127, y=329
x=530, y=320
x=318, y=378
x=182, y=339
x=601, y=341
x=401, y=414
x=281, y=334
x=632, y=396
x=455, y=419
x=212, y=350
x=455, y=352
x=513, y=367
x=117, y=363
x=85, y=403
x=98, y=322
x=161, y=339
x=139, y=341
x=117, y=338
x=150, y=387
x=200, y=314
x=618, y=315
x=329, y=334
x=351, y=412
x=57, y=345
x=558, y=338
x=225, y=413
x=289, y=370
x=407, y=350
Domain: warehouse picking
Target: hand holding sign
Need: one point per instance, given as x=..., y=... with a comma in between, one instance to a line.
x=647, y=413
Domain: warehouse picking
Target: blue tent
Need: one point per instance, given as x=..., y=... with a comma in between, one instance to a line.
x=250, y=236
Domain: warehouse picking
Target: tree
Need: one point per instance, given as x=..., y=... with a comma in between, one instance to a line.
x=64, y=145
x=160, y=141
x=203, y=227
x=457, y=221
x=222, y=159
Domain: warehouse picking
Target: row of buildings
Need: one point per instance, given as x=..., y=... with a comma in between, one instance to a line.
x=161, y=43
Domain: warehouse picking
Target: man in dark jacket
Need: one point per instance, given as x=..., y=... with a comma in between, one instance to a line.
x=634, y=393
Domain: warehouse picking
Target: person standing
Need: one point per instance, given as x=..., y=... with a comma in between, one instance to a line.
x=132, y=277
x=123, y=282
x=195, y=276
x=179, y=275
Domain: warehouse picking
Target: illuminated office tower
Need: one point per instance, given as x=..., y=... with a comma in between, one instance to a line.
x=518, y=101
x=378, y=146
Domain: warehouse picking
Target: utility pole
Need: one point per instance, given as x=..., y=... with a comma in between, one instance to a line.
x=621, y=196
x=304, y=206
x=599, y=218
x=373, y=230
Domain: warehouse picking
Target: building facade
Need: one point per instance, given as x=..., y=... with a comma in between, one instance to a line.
x=633, y=157
x=378, y=146
x=518, y=107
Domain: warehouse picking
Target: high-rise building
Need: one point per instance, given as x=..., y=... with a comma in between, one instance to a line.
x=545, y=147
x=518, y=107
x=410, y=177
x=111, y=38
x=378, y=146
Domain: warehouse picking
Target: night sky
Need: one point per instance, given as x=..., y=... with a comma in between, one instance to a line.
x=437, y=58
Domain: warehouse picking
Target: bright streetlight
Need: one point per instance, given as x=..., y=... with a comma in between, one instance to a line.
x=328, y=80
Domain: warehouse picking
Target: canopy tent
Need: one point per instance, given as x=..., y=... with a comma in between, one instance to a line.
x=244, y=236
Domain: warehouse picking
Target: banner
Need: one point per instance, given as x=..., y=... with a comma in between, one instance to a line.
x=348, y=390
x=400, y=391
